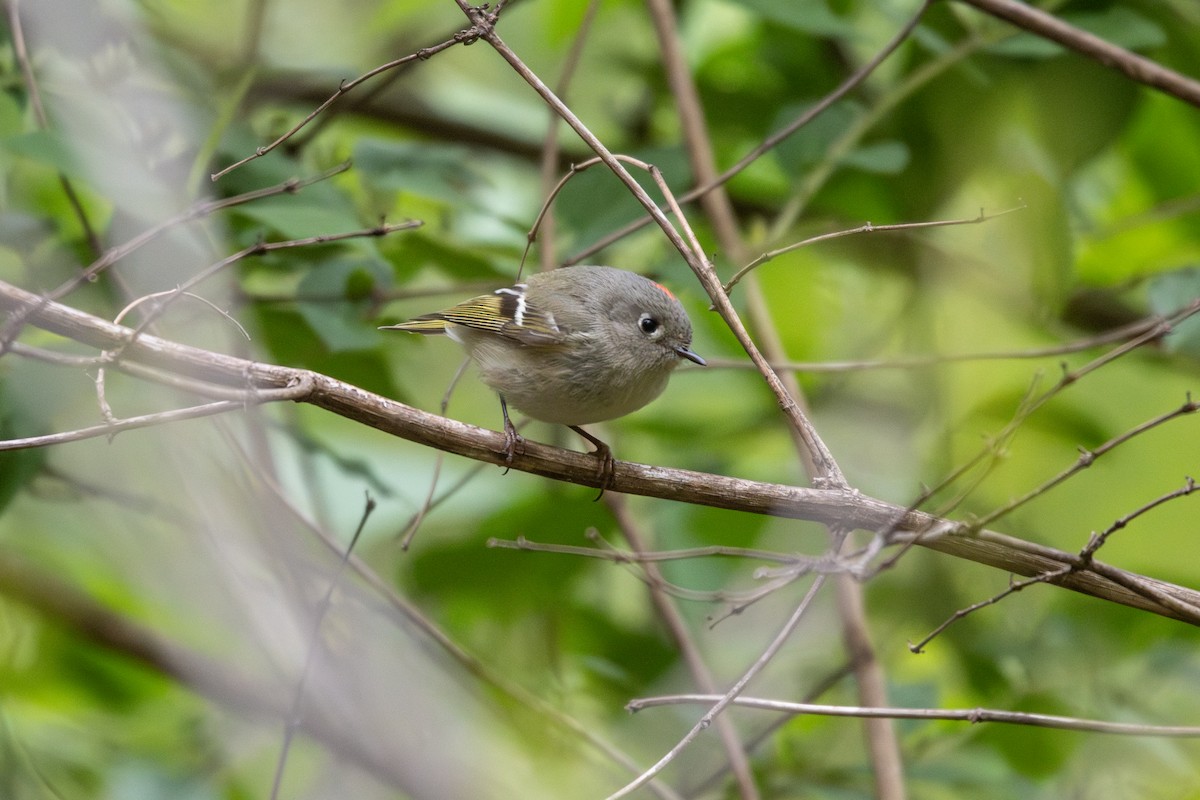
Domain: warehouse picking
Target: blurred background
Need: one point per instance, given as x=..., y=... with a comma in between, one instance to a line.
x=163, y=593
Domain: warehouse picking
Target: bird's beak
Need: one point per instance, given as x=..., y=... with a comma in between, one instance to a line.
x=684, y=352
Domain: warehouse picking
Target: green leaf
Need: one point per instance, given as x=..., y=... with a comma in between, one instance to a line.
x=1033, y=752
x=12, y=118
x=466, y=571
x=811, y=144
x=338, y=288
x=442, y=172
x=44, y=147
x=884, y=158
x=418, y=249
x=17, y=467
x=293, y=341
x=312, y=212
x=806, y=16
x=1169, y=293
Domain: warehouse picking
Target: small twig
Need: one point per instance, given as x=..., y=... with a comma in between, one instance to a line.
x=466, y=36
x=257, y=249
x=1013, y=587
x=543, y=215
x=641, y=556
x=1085, y=560
x=198, y=211
x=1097, y=540
x=1032, y=401
x=721, y=702
x=822, y=686
x=115, y=426
x=1088, y=457
x=740, y=600
x=293, y=719
x=808, y=115
x=110, y=356
x=17, y=33
x=972, y=715
x=867, y=228
x=1121, y=334
x=410, y=530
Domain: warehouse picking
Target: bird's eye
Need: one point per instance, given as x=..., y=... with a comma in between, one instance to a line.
x=648, y=324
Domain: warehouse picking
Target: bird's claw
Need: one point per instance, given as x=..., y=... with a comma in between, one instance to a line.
x=513, y=443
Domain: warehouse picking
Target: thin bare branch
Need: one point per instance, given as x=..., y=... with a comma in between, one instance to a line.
x=11, y=329
x=1121, y=334
x=1088, y=457
x=466, y=36
x=721, y=702
x=867, y=228
x=17, y=32
x=640, y=556
x=484, y=21
x=115, y=426
x=972, y=715
x=689, y=650
x=805, y=117
x=1095, y=542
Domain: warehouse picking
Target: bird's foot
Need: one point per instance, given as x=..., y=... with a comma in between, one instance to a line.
x=604, y=453
x=513, y=443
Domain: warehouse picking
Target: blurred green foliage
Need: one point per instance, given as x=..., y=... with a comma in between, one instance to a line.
x=147, y=98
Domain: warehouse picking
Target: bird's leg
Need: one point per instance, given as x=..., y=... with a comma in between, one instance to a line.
x=513, y=443
x=602, y=452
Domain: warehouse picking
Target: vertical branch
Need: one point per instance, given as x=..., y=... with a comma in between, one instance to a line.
x=729, y=697
x=39, y=114
x=483, y=21
x=701, y=675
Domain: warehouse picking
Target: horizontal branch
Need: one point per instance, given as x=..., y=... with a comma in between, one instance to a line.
x=845, y=508
x=972, y=715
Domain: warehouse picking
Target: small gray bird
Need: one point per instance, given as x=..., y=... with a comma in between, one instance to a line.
x=571, y=346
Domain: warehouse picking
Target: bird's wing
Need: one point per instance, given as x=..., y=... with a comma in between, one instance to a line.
x=505, y=312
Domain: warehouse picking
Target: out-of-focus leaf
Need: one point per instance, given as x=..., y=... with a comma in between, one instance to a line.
x=810, y=144
x=293, y=341
x=312, y=212
x=43, y=147
x=479, y=574
x=1169, y=293
x=338, y=288
x=11, y=118
x=416, y=250
x=805, y=16
x=884, y=158
x=17, y=467
x=1033, y=752
x=443, y=172
x=595, y=203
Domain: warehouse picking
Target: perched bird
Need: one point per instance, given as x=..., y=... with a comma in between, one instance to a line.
x=573, y=346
